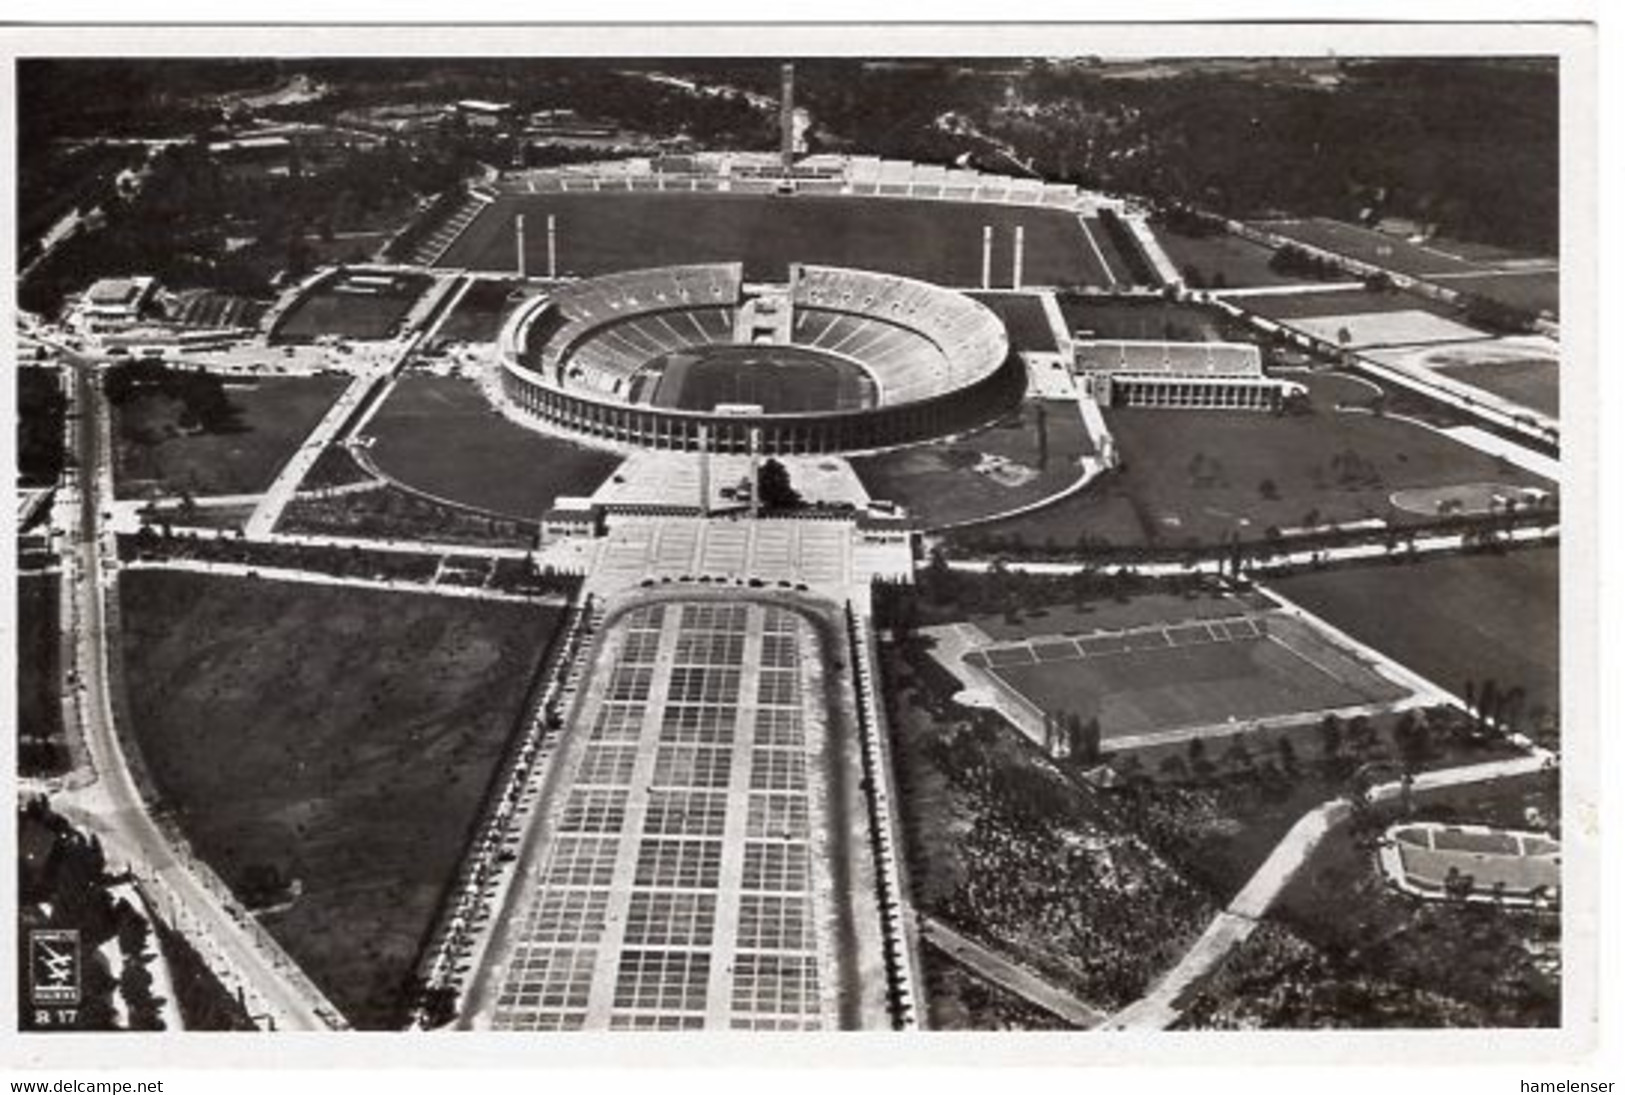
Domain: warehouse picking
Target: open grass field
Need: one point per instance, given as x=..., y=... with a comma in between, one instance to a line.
x=1224, y=261
x=1154, y=320
x=1151, y=680
x=480, y=313
x=934, y=240
x=276, y=415
x=1371, y=246
x=1196, y=477
x=1408, y=327
x=347, y=309
x=1337, y=302
x=988, y=472
x=1530, y=383
x=438, y=434
x=1453, y=619
x=41, y=749
x=1120, y=613
x=343, y=738
x=1534, y=291
x=779, y=379
x=1024, y=318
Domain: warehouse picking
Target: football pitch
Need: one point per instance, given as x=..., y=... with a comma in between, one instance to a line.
x=1198, y=673
x=937, y=241
x=779, y=379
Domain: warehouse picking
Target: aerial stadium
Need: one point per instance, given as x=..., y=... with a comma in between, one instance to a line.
x=834, y=360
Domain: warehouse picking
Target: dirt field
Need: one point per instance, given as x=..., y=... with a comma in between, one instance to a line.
x=439, y=434
x=341, y=738
x=277, y=414
x=940, y=483
x=1141, y=319
x=935, y=240
x=1453, y=619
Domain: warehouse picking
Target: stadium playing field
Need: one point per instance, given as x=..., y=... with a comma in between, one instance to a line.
x=779, y=379
x=933, y=240
x=352, y=306
x=1198, y=673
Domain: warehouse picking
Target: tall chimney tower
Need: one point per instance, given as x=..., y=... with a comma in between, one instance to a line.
x=987, y=256
x=1021, y=247
x=787, y=115
x=519, y=242
x=552, y=245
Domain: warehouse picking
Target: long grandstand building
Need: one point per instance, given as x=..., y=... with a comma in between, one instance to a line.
x=1210, y=375
x=833, y=360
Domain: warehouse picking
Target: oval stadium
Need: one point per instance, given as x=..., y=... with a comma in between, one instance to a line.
x=831, y=360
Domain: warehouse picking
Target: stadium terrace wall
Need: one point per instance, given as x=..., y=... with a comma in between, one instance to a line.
x=992, y=381
x=782, y=434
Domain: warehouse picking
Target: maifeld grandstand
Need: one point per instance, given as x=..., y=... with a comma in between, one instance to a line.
x=1178, y=374
x=690, y=357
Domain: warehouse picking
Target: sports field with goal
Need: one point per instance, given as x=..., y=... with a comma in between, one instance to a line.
x=1196, y=673
x=937, y=241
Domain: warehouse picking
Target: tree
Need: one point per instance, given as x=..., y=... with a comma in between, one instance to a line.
x=1268, y=490
x=774, y=488
x=1089, y=739
x=1331, y=736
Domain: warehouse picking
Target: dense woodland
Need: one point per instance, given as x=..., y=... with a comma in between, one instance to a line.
x=1467, y=146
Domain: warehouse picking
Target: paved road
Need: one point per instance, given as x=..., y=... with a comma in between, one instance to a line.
x=113, y=805
x=1160, y=1007
x=1009, y=975
x=1220, y=560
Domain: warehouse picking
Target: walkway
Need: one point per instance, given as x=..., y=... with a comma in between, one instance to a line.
x=1009, y=975
x=1164, y=1004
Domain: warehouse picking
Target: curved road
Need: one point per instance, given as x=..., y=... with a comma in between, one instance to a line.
x=112, y=805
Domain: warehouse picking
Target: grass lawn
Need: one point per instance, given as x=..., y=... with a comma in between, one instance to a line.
x=1538, y=291
x=1025, y=320
x=935, y=240
x=277, y=414
x=954, y=480
x=1138, y=688
x=1224, y=261
x=344, y=737
x=41, y=749
x=1453, y=619
x=1139, y=320
x=1340, y=302
x=1120, y=613
x=1370, y=246
x=1536, y=384
x=480, y=314
x=331, y=309
x=1190, y=477
x=439, y=435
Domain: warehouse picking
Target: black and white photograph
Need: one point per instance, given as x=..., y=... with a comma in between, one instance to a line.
x=1081, y=534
